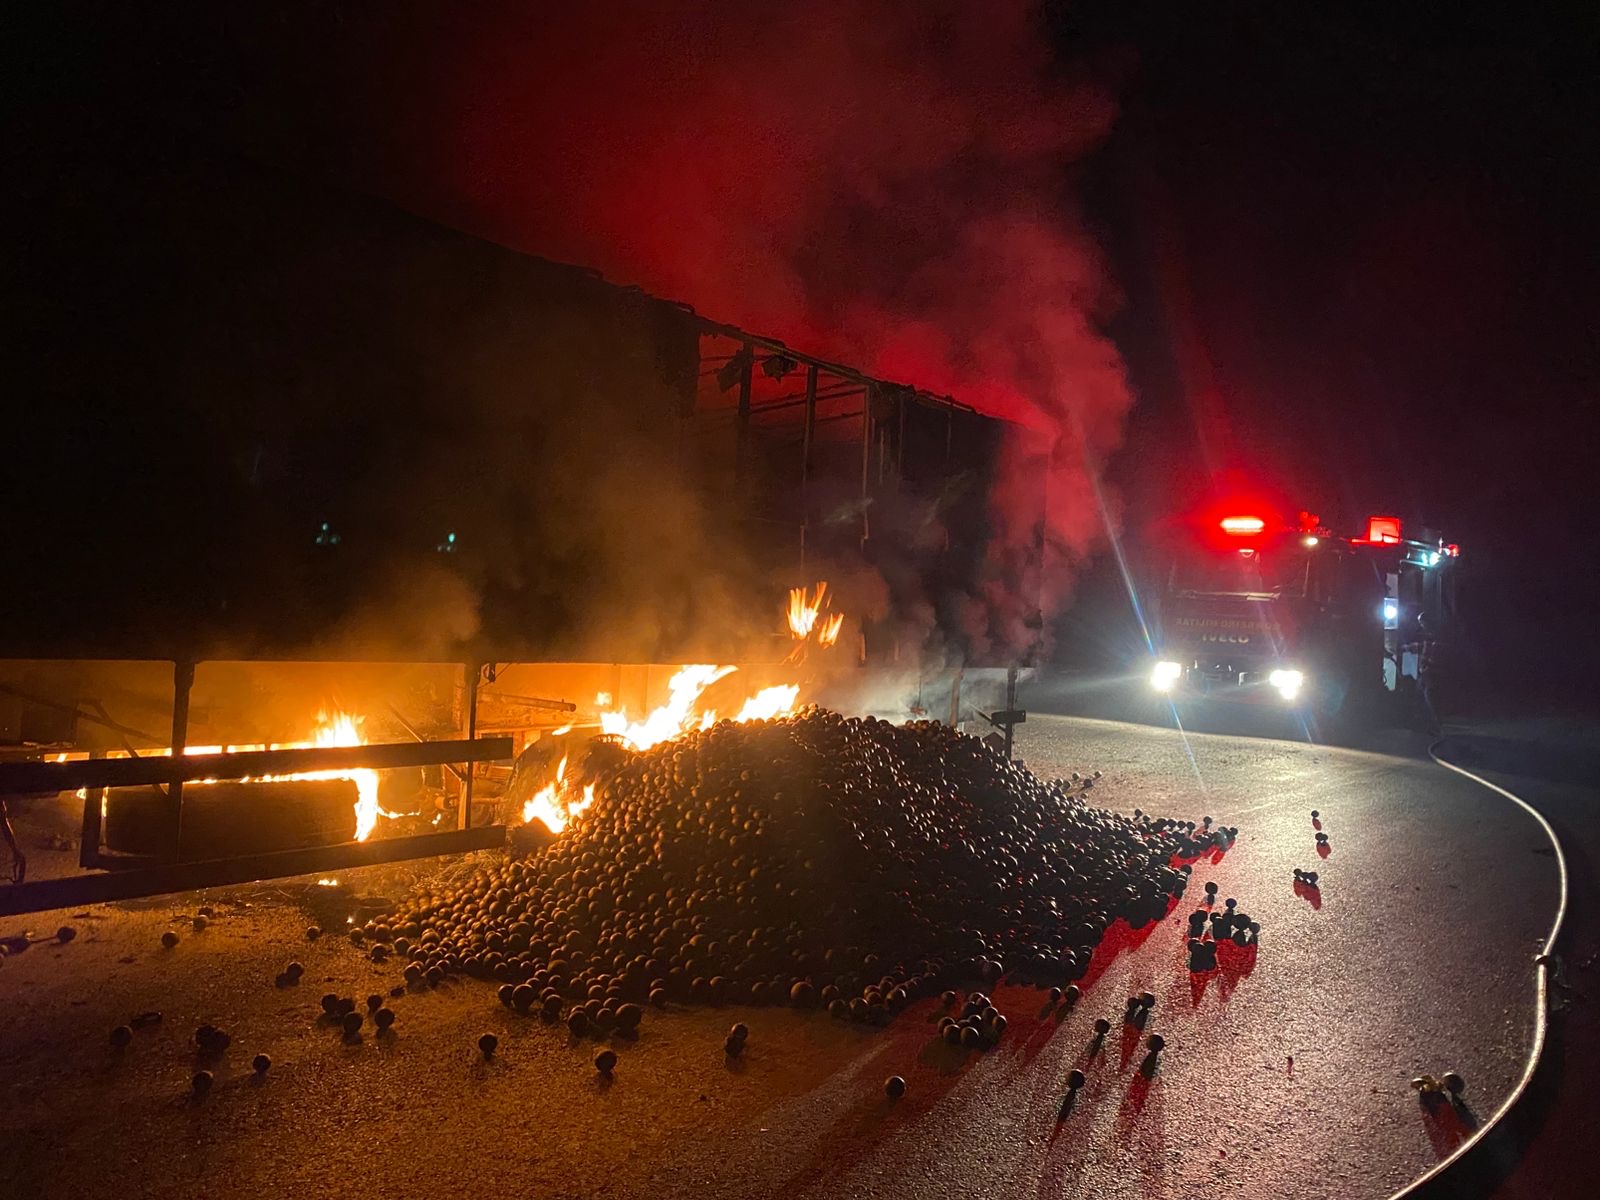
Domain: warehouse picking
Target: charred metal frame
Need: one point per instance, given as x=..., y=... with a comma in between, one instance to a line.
x=882, y=412
x=126, y=876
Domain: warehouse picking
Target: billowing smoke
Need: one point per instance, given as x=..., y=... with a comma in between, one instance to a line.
x=887, y=185
x=890, y=185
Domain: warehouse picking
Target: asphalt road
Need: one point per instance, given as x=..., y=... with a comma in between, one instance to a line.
x=1541, y=1149
x=1285, y=1074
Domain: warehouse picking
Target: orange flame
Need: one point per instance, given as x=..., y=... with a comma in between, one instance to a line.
x=674, y=718
x=556, y=805
x=340, y=729
x=680, y=715
x=803, y=612
x=806, y=616
x=770, y=702
x=828, y=634
x=553, y=806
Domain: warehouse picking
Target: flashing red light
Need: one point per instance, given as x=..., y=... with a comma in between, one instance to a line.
x=1242, y=526
x=1383, y=530
x=1453, y=550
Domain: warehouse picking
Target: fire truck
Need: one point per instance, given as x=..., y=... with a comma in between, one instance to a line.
x=1256, y=608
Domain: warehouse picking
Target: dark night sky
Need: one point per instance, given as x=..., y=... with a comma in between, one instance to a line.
x=1356, y=257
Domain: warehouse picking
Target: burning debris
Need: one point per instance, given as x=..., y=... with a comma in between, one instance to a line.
x=806, y=617
x=331, y=730
x=562, y=798
x=809, y=859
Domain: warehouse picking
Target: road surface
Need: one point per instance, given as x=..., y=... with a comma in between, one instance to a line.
x=1285, y=1076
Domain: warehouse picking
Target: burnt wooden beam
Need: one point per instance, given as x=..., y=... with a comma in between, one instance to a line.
x=19, y=778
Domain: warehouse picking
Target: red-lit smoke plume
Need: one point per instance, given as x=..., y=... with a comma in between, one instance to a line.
x=886, y=184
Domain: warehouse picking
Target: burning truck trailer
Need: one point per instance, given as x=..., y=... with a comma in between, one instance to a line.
x=404, y=575
x=200, y=807
x=549, y=554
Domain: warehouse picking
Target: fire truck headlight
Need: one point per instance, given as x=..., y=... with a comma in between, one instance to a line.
x=1391, y=613
x=1288, y=683
x=1165, y=676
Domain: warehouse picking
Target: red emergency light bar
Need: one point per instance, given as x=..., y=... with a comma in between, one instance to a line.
x=1242, y=526
x=1383, y=531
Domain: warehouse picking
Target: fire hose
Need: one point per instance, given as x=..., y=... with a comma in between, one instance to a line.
x=1545, y=966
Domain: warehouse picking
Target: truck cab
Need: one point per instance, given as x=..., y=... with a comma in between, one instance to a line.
x=1253, y=608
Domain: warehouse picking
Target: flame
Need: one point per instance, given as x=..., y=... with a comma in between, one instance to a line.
x=679, y=716
x=675, y=717
x=340, y=729
x=770, y=702
x=542, y=804
x=553, y=806
x=806, y=617
x=803, y=612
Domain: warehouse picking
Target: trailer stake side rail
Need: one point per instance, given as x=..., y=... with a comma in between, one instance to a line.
x=128, y=876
